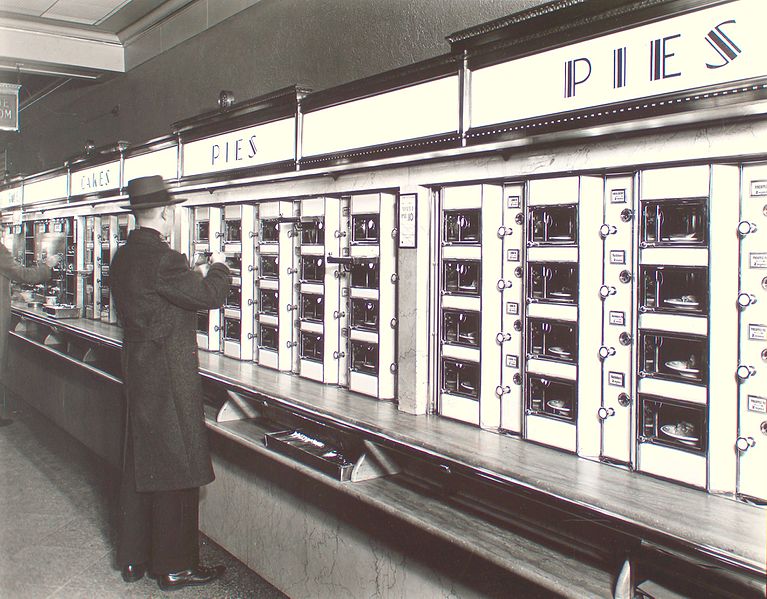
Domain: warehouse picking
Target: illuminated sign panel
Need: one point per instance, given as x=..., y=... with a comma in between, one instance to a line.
x=96, y=179
x=254, y=146
x=422, y=110
x=9, y=107
x=709, y=47
x=162, y=162
x=47, y=189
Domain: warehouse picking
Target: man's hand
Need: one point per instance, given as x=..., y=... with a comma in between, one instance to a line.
x=53, y=260
x=218, y=258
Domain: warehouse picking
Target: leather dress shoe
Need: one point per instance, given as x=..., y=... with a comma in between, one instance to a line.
x=190, y=577
x=133, y=572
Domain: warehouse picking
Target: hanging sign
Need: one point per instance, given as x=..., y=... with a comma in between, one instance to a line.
x=10, y=197
x=711, y=46
x=9, y=107
x=254, y=146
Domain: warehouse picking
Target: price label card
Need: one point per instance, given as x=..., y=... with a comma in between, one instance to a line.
x=512, y=361
x=758, y=188
x=617, y=318
x=616, y=379
x=757, y=332
x=407, y=220
x=618, y=196
x=512, y=308
x=757, y=259
x=617, y=257
x=512, y=255
x=757, y=404
x=513, y=202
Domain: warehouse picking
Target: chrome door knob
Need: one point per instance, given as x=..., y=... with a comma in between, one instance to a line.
x=606, y=291
x=745, y=228
x=605, y=413
x=501, y=390
x=337, y=314
x=290, y=344
x=744, y=443
x=745, y=300
x=338, y=354
x=605, y=352
x=504, y=231
x=744, y=372
x=606, y=230
x=503, y=284
x=501, y=337
x=291, y=307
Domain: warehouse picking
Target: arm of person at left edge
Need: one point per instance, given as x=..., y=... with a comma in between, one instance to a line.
x=188, y=289
x=14, y=271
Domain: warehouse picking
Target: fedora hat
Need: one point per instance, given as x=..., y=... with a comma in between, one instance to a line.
x=149, y=192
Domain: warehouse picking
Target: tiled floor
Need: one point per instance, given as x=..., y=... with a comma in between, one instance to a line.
x=55, y=531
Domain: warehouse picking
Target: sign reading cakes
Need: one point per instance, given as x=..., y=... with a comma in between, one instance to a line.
x=253, y=146
x=711, y=46
x=96, y=179
x=9, y=107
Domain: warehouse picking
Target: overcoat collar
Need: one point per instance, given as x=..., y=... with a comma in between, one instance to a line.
x=146, y=235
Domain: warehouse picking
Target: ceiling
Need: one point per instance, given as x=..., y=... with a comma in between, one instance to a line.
x=47, y=44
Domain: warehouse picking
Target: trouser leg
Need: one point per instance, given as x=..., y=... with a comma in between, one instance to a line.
x=175, y=530
x=134, y=518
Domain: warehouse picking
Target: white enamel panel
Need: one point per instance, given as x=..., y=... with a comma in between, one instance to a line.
x=551, y=432
x=674, y=323
x=552, y=254
x=162, y=162
x=553, y=311
x=412, y=112
x=674, y=256
x=670, y=463
x=466, y=354
x=674, y=390
x=459, y=408
x=562, y=190
x=675, y=182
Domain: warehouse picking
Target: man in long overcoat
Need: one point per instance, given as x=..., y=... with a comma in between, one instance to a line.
x=157, y=296
x=10, y=270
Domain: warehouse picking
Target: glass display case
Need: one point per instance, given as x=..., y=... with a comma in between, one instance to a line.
x=673, y=357
x=552, y=340
x=461, y=277
x=460, y=378
x=365, y=228
x=676, y=289
x=671, y=423
x=462, y=226
x=551, y=397
x=365, y=273
x=461, y=327
x=312, y=307
x=552, y=282
x=553, y=225
x=311, y=346
x=364, y=314
x=674, y=223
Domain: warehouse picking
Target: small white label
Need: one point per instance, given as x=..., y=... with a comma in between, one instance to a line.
x=757, y=259
x=615, y=379
x=617, y=257
x=758, y=188
x=618, y=196
x=512, y=361
x=757, y=332
x=407, y=220
x=512, y=202
x=757, y=404
x=512, y=255
x=617, y=318
x=512, y=308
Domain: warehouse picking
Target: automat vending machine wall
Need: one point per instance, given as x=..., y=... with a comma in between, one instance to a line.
x=751, y=373
x=101, y=236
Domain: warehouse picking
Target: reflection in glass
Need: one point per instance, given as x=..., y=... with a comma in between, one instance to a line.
x=365, y=228
x=673, y=424
x=551, y=397
x=552, y=282
x=364, y=357
x=680, y=289
x=674, y=222
x=461, y=277
x=462, y=226
x=460, y=327
x=673, y=357
x=553, y=224
x=460, y=378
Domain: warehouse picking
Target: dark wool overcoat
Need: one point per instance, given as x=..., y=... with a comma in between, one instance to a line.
x=157, y=297
x=10, y=270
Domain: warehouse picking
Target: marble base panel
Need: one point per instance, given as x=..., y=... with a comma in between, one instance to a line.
x=311, y=541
